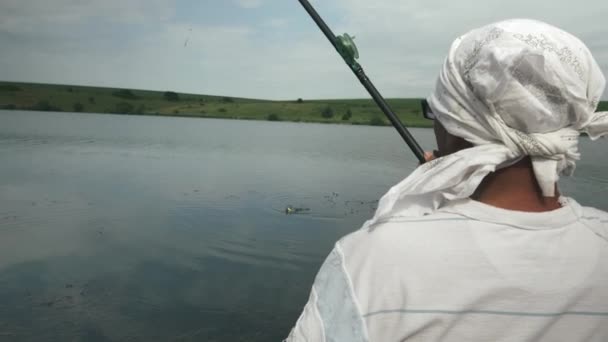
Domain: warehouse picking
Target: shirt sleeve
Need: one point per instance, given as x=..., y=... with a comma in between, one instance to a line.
x=309, y=326
x=332, y=312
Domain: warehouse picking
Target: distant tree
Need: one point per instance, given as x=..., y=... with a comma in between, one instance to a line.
x=227, y=100
x=123, y=108
x=327, y=112
x=222, y=110
x=8, y=106
x=91, y=100
x=273, y=117
x=9, y=87
x=299, y=100
x=376, y=121
x=69, y=89
x=141, y=109
x=125, y=94
x=44, y=105
x=171, y=96
x=78, y=107
x=347, y=115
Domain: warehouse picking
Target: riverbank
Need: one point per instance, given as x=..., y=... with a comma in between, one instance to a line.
x=51, y=97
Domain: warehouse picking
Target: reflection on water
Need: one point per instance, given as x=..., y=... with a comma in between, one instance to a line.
x=144, y=228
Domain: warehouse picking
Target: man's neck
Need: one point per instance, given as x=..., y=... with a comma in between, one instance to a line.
x=515, y=188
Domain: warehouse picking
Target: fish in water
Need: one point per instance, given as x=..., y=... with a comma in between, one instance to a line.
x=294, y=210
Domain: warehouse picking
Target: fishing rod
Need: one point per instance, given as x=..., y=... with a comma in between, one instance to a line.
x=346, y=47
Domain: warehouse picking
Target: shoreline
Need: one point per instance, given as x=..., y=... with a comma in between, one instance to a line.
x=102, y=100
x=213, y=118
x=85, y=99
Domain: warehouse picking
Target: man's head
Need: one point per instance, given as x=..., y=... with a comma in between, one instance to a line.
x=525, y=75
x=508, y=90
x=524, y=86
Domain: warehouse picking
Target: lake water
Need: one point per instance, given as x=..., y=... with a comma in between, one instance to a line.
x=132, y=228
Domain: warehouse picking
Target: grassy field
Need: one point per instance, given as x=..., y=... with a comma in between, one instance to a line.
x=46, y=97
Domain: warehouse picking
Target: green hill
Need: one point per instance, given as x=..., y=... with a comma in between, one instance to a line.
x=49, y=97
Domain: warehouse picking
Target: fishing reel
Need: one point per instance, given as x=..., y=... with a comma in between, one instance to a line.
x=348, y=50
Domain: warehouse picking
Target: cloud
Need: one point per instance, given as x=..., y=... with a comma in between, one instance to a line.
x=34, y=15
x=405, y=41
x=249, y=3
x=277, y=53
x=277, y=23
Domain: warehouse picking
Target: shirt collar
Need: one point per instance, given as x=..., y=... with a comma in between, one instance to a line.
x=570, y=212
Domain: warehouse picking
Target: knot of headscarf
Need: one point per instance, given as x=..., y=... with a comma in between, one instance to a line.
x=512, y=89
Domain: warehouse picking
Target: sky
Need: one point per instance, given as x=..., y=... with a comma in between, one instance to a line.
x=267, y=49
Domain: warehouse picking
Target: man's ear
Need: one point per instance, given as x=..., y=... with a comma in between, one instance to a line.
x=459, y=143
x=448, y=143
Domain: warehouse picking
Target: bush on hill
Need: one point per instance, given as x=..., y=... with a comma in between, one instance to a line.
x=123, y=108
x=125, y=94
x=347, y=115
x=171, y=96
x=44, y=105
x=9, y=87
x=78, y=107
x=376, y=121
x=273, y=117
x=327, y=113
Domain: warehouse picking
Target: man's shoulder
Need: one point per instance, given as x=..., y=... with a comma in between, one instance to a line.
x=416, y=222
x=594, y=214
x=596, y=220
x=406, y=233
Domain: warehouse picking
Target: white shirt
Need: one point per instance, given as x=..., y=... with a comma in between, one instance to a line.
x=470, y=272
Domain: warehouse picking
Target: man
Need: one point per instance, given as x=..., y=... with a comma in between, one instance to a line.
x=478, y=244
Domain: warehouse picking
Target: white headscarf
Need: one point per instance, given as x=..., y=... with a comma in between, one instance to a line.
x=514, y=88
